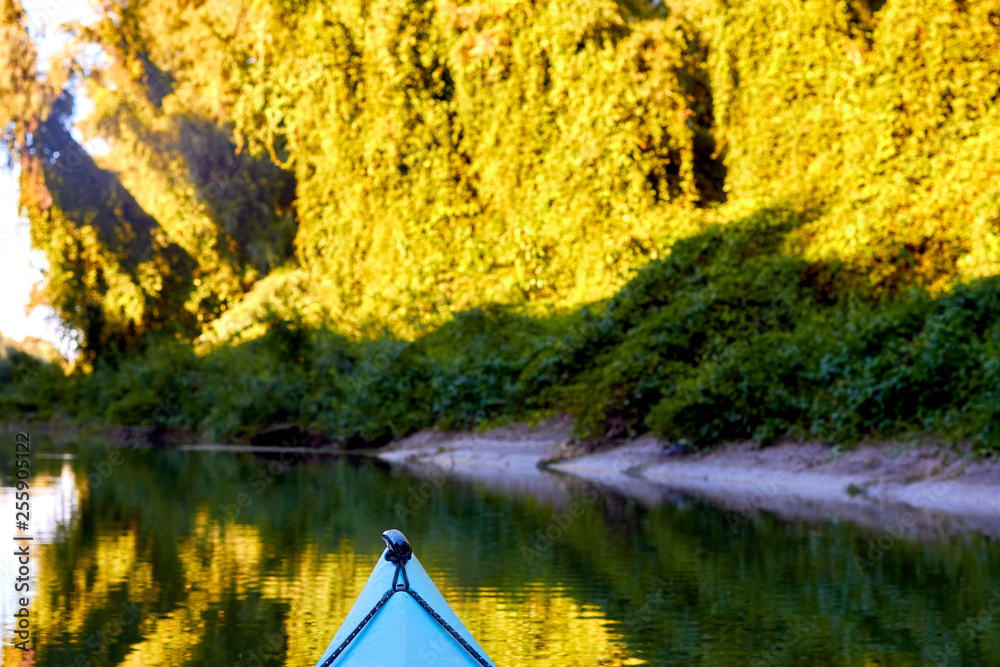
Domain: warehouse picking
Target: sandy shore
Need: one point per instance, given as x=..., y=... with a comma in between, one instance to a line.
x=928, y=488
x=933, y=488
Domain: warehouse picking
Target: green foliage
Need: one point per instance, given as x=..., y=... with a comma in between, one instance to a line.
x=451, y=155
x=169, y=229
x=516, y=163
x=884, y=115
x=727, y=338
x=233, y=214
x=112, y=276
x=32, y=377
x=20, y=91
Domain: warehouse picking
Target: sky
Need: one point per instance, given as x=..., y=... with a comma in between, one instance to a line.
x=20, y=266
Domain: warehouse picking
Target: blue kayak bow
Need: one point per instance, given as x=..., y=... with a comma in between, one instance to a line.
x=391, y=623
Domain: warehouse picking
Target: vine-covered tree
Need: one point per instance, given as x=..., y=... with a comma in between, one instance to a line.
x=880, y=120
x=448, y=154
x=403, y=160
x=171, y=144
x=112, y=275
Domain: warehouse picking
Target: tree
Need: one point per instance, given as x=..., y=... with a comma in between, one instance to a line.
x=112, y=275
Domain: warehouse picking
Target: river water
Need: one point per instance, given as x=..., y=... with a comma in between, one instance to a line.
x=221, y=559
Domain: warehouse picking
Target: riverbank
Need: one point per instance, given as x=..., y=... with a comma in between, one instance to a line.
x=919, y=484
x=702, y=346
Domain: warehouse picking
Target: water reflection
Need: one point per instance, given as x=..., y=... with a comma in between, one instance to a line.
x=152, y=565
x=54, y=501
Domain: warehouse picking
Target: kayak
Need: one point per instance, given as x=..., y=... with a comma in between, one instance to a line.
x=400, y=619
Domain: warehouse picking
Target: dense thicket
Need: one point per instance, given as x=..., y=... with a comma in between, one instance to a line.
x=808, y=187
x=882, y=115
x=173, y=148
x=32, y=376
x=448, y=155
x=112, y=276
x=723, y=339
x=165, y=232
x=440, y=155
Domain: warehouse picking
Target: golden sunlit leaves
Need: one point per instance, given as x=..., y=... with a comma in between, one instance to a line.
x=454, y=154
x=878, y=121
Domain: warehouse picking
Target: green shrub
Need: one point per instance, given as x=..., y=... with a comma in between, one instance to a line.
x=32, y=377
x=726, y=338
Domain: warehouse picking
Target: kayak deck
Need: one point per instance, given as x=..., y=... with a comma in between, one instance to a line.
x=401, y=632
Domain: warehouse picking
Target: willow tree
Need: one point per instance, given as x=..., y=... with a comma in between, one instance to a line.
x=444, y=154
x=161, y=110
x=112, y=275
